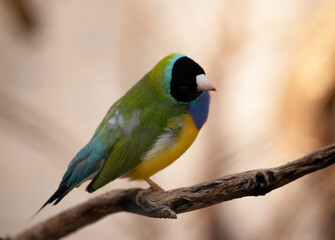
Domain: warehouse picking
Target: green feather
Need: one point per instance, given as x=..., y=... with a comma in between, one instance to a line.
x=126, y=130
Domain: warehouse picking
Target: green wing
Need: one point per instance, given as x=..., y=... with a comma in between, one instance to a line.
x=131, y=127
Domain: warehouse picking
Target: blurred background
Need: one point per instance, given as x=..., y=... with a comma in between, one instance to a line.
x=63, y=63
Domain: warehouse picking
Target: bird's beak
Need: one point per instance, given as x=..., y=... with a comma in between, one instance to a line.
x=203, y=84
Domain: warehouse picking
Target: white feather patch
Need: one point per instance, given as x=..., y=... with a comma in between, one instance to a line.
x=117, y=120
x=165, y=140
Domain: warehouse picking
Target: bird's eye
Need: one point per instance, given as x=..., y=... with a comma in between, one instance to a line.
x=183, y=88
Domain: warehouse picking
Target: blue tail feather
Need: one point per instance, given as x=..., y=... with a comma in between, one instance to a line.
x=84, y=166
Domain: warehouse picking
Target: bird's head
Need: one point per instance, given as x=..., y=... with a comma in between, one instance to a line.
x=180, y=78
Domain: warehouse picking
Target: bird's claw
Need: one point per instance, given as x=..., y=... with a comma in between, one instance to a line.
x=153, y=187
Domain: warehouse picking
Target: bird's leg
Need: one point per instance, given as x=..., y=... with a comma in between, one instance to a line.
x=153, y=187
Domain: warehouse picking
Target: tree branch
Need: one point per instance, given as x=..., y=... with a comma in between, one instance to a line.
x=170, y=203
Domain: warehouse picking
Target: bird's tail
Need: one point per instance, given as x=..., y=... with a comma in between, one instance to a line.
x=61, y=192
x=79, y=170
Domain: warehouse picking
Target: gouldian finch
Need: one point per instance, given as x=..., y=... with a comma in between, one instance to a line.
x=146, y=130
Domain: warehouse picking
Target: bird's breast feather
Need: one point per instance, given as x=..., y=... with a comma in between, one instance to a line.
x=170, y=145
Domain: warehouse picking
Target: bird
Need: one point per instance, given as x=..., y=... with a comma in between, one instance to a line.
x=146, y=130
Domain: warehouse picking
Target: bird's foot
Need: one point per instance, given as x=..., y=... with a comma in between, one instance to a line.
x=153, y=187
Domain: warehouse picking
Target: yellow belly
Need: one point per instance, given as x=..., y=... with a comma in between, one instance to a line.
x=168, y=154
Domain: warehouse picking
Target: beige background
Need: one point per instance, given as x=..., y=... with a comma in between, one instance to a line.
x=271, y=62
